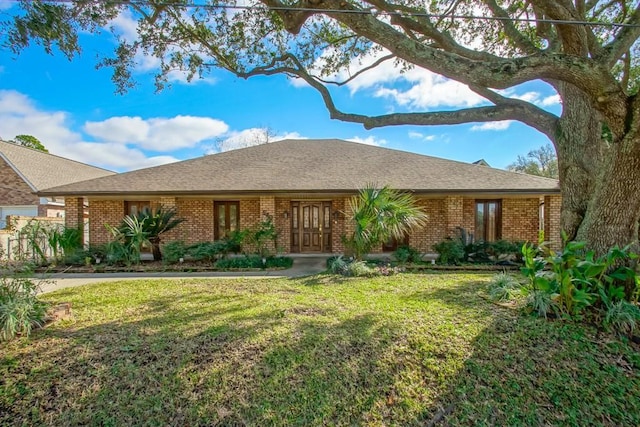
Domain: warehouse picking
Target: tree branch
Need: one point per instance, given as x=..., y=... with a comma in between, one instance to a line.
x=510, y=109
x=510, y=29
x=624, y=40
x=535, y=117
x=356, y=74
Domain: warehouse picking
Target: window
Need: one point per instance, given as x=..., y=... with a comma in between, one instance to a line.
x=134, y=208
x=488, y=220
x=227, y=218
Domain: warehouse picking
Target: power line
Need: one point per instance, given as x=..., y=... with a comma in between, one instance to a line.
x=371, y=11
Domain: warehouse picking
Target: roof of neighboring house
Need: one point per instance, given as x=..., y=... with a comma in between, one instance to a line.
x=481, y=162
x=42, y=170
x=329, y=165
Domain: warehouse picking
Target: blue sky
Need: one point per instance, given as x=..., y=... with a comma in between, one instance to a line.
x=73, y=109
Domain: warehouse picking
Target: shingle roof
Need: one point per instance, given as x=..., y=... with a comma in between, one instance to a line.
x=329, y=165
x=42, y=170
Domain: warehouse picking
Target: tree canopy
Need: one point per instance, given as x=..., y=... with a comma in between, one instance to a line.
x=586, y=50
x=541, y=161
x=30, y=142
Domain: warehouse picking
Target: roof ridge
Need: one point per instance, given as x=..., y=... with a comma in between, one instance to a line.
x=39, y=152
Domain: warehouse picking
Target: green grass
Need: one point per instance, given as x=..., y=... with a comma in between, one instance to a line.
x=323, y=350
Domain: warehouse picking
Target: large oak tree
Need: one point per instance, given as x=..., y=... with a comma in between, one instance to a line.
x=578, y=47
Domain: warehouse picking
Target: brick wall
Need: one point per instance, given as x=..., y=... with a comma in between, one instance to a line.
x=283, y=225
x=103, y=212
x=454, y=214
x=13, y=189
x=520, y=219
x=198, y=224
x=436, y=228
x=552, y=234
x=74, y=214
x=340, y=226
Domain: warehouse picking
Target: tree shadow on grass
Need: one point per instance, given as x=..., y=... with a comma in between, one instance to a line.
x=270, y=358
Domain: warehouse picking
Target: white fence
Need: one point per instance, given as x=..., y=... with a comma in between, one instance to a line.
x=16, y=243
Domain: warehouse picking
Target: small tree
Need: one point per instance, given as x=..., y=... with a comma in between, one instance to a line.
x=380, y=214
x=29, y=142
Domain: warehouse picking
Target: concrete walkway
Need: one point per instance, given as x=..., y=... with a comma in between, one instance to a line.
x=302, y=266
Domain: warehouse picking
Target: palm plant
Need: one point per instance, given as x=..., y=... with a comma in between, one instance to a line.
x=380, y=214
x=156, y=224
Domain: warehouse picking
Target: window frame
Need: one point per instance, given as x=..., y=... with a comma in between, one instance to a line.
x=216, y=222
x=498, y=222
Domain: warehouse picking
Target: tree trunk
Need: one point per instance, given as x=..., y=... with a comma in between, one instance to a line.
x=155, y=248
x=614, y=209
x=579, y=146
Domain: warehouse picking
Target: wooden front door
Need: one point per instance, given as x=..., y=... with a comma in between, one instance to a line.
x=311, y=227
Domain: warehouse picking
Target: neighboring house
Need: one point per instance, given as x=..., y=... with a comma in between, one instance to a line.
x=25, y=171
x=305, y=185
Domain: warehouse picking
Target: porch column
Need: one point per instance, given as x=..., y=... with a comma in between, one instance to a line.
x=454, y=214
x=268, y=208
x=552, y=230
x=74, y=214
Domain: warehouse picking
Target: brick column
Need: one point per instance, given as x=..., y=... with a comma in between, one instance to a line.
x=552, y=230
x=454, y=214
x=74, y=214
x=268, y=207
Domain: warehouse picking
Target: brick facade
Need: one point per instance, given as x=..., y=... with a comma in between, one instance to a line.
x=13, y=189
x=520, y=219
x=552, y=233
x=103, y=212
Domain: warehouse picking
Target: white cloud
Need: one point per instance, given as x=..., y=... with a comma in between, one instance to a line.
x=551, y=100
x=419, y=135
x=157, y=134
x=19, y=115
x=427, y=89
x=501, y=125
x=125, y=25
x=6, y=4
x=249, y=138
x=370, y=140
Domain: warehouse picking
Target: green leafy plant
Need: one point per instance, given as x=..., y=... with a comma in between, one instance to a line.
x=504, y=287
x=253, y=261
x=576, y=281
x=622, y=316
x=20, y=309
x=263, y=238
x=172, y=252
x=407, y=254
x=380, y=214
x=451, y=251
x=338, y=265
x=207, y=251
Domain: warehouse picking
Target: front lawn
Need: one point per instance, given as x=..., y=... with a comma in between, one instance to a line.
x=324, y=350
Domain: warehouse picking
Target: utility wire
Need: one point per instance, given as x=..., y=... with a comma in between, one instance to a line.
x=371, y=11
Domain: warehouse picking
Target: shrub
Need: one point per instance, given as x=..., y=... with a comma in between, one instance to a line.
x=173, y=251
x=503, y=287
x=263, y=237
x=207, y=251
x=253, y=261
x=406, y=253
x=451, y=251
x=338, y=265
x=623, y=317
x=20, y=309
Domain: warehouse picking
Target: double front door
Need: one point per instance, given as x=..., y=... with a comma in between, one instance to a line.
x=311, y=226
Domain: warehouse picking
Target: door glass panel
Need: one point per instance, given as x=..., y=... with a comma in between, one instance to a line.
x=491, y=222
x=233, y=217
x=222, y=223
x=294, y=217
x=316, y=217
x=480, y=222
x=327, y=217
x=305, y=217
